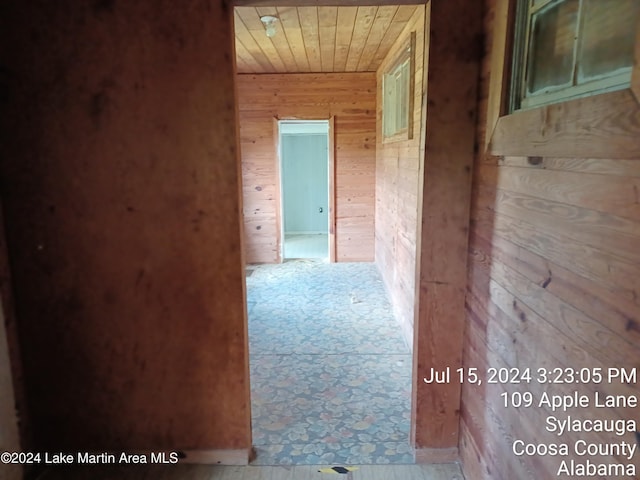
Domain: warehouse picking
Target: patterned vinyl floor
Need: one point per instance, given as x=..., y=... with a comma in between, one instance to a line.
x=330, y=372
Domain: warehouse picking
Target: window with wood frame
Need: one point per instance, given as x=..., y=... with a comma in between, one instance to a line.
x=397, y=95
x=567, y=49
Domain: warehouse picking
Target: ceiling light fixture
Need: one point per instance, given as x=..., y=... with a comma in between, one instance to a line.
x=269, y=25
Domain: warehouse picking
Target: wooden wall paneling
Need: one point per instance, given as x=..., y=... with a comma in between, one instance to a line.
x=606, y=233
x=453, y=65
x=483, y=416
x=528, y=325
x=504, y=15
x=469, y=448
x=591, y=297
x=488, y=418
x=552, y=278
x=398, y=187
x=590, y=342
x=572, y=331
x=610, y=270
x=600, y=126
x=350, y=100
x=122, y=218
x=422, y=60
x=569, y=188
x=483, y=443
x=522, y=335
x=603, y=166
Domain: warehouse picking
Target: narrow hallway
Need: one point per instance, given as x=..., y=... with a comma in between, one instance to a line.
x=330, y=372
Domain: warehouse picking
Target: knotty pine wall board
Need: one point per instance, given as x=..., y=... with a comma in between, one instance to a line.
x=397, y=185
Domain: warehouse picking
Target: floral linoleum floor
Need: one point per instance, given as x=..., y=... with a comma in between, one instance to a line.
x=330, y=372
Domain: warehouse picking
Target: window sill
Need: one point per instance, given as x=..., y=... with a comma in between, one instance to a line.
x=402, y=136
x=600, y=126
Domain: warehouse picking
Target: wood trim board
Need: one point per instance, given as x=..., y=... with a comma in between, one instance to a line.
x=452, y=69
x=332, y=183
x=635, y=74
x=602, y=126
x=437, y=455
x=498, y=88
x=278, y=190
x=332, y=191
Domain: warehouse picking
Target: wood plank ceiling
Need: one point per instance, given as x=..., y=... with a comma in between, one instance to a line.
x=317, y=39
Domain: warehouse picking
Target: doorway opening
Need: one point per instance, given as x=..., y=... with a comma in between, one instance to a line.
x=305, y=163
x=330, y=371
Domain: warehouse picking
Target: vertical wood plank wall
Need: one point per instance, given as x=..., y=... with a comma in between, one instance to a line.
x=553, y=281
x=351, y=98
x=120, y=187
x=397, y=190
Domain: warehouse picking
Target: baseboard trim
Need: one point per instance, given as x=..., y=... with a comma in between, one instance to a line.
x=437, y=455
x=218, y=457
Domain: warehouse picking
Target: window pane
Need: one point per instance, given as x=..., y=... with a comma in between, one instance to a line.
x=395, y=111
x=539, y=3
x=403, y=97
x=608, y=36
x=388, y=106
x=552, y=46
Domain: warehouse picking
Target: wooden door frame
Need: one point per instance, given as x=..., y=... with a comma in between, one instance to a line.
x=331, y=194
x=452, y=57
x=453, y=54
